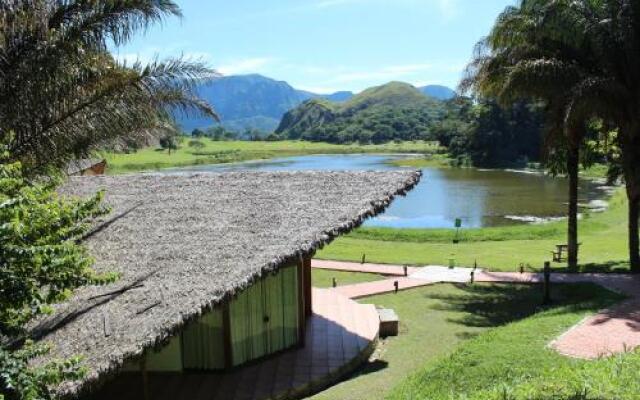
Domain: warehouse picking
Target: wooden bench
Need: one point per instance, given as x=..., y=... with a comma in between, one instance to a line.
x=561, y=249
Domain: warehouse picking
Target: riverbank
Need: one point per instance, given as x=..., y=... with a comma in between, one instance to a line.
x=603, y=237
x=220, y=152
x=442, y=160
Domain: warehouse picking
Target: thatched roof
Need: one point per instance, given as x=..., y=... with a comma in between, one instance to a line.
x=184, y=243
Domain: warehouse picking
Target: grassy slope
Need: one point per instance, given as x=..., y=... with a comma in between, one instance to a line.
x=602, y=236
x=392, y=94
x=437, y=319
x=513, y=362
x=224, y=152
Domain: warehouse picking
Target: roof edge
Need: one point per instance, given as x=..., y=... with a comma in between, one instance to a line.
x=94, y=380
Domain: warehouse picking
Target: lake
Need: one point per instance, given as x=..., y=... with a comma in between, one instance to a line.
x=480, y=198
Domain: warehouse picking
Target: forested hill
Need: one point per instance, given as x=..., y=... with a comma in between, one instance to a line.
x=393, y=111
x=252, y=102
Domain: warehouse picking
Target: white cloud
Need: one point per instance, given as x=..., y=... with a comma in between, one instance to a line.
x=244, y=66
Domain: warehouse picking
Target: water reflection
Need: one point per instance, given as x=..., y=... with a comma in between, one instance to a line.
x=478, y=197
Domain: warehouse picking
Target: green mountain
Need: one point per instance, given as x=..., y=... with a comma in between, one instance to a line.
x=251, y=102
x=393, y=111
x=391, y=94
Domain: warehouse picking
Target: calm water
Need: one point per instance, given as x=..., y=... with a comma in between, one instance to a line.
x=479, y=197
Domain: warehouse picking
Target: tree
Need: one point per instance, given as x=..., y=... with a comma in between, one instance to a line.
x=601, y=57
x=531, y=53
x=41, y=263
x=609, y=29
x=169, y=142
x=65, y=96
x=501, y=136
x=198, y=133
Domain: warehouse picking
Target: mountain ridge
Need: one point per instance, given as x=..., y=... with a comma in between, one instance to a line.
x=254, y=101
x=396, y=110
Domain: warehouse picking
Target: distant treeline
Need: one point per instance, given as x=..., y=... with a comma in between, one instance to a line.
x=475, y=132
x=486, y=135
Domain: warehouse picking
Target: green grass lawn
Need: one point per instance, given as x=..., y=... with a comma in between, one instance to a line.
x=324, y=278
x=513, y=362
x=603, y=238
x=435, y=320
x=426, y=161
x=217, y=152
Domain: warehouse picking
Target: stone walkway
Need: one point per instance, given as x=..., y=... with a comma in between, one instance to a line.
x=611, y=331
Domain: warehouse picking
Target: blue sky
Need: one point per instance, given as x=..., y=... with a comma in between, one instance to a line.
x=326, y=45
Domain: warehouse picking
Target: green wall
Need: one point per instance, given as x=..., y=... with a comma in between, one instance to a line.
x=169, y=359
x=264, y=319
x=203, y=343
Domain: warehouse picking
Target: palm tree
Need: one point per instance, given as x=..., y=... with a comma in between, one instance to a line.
x=610, y=32
x=591, y=60
x=523, y=58
x=64, y=96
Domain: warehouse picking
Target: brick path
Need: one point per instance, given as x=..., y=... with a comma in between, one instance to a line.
x=365, y=289
x=382, y=269
x=611, y=331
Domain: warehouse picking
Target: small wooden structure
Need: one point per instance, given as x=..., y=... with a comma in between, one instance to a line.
x=87, y=167
x=561, y=253
x=267, y=317
x=214, y=271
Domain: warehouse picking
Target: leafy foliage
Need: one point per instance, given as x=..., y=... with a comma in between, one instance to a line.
x=169, y=141
x=581, y=58
x=505, y=137
x=69, y=96
x=41, y=263
x=20, y=381
x=489, y=135
x=64, y=96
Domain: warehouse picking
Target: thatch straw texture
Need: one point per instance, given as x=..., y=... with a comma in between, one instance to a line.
x=183, y=244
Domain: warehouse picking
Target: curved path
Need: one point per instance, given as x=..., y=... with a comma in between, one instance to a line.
x=611, y=331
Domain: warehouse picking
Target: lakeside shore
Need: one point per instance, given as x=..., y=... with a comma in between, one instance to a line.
x=223, y=152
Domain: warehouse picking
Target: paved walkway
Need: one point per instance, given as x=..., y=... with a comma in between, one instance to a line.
x=382, y=269
x=366, y=289
x=611, y=331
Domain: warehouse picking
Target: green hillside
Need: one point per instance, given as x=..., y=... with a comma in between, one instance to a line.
x=391, y=94
x=393, y=111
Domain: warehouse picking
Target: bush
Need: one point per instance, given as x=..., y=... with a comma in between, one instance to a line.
x=196, y=144
x=41, y=263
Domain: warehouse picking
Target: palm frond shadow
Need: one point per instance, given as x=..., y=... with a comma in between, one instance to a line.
x=485, y=306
